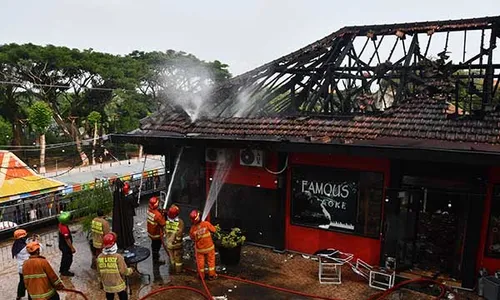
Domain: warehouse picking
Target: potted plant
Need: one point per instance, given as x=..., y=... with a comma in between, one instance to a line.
x=229, y=245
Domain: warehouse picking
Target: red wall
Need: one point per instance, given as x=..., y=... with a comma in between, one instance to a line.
x=492, y=264
x=244, y=175
x=309, y=240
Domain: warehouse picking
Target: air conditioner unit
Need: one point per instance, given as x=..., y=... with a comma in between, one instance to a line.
x=250, y=157
x=215, y=155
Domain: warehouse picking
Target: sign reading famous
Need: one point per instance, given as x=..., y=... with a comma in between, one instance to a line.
x=324, y=197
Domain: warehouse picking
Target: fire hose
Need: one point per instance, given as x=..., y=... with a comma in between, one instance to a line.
x=443, y=289
x=208, y=295
x=75, y=292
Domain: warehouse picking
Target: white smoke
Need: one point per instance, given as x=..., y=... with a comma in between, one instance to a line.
x=242, y=105
x=188, y=86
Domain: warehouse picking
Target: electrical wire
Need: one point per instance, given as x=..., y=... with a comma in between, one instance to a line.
x=63, y=86
x=51, y=146
x=281, y=171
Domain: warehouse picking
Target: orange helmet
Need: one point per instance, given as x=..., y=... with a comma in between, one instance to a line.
x=126, y=188
x=153, y=203
x=173, y=211
x=195, y=216
x=109, y=240
x=33, y=246
x=20, y=233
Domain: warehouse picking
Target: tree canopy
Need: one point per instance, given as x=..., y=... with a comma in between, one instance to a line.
x=78, y=84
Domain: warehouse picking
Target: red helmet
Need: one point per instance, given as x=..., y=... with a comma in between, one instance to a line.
x=154, y=203
x=109, y=240
x=126, y=188
x=195, y=216
x=173, y=211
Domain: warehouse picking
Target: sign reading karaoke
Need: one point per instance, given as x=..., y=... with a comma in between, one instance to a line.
x=324, y=197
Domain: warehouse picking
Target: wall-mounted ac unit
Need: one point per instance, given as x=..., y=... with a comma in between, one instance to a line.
x=215, y=155
x=250, y=157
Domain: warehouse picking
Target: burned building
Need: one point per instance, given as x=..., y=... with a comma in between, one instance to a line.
x=381, y=141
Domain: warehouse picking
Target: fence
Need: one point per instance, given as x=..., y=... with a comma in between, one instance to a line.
x=49, y=243
x=45, y=208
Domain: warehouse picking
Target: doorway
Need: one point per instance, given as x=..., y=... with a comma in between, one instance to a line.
x=433, y=232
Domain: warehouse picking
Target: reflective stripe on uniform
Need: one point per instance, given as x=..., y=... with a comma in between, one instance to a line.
x=154, y=236
x=211, y=269
x=114, y=288
x=205, y=250
x=31, y=276
x=46, y=295
x=109, y=271
x=151, y=218
x=199, y=237
x=172, y=226
x=97, y=227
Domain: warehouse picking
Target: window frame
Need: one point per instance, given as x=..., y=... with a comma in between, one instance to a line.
x=358, y=173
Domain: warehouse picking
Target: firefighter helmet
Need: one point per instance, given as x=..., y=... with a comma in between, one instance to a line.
x=173, y=211
x=20, y=233
x=153, y=203
x=108, y=240
x=64, y=217
x=195, y=216
x=33, y=246
x=126, y=188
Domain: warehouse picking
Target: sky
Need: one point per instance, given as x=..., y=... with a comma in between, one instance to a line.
x=243, y=34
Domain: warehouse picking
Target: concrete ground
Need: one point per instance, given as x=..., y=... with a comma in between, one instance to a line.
x=289, y=271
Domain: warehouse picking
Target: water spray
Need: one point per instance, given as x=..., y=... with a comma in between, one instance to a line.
x=169, y=190
x=142, y=176
x=221, y=172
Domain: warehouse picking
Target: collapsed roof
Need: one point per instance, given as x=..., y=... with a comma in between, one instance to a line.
x=425, y=84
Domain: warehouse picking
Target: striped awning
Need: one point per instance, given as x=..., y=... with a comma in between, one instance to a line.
x=18, y=181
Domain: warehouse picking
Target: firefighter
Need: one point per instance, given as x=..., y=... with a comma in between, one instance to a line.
x=20, y=253
x=174, y=230
x=201, y=234
x=65, y=244
x=112, y=269
x=156, y=223
x=100, y=227
x=40, y=279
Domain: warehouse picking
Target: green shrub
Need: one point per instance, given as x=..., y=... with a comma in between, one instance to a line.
x=230, y=239
x=86, y=203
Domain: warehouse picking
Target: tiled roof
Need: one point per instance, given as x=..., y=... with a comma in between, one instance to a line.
x=425, y=120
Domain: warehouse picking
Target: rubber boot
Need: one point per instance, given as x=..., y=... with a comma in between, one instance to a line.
x=178, y=268
x=93, y=266
x=212, y=277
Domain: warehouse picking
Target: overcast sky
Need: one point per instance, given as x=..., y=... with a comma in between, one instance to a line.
x=243, y=34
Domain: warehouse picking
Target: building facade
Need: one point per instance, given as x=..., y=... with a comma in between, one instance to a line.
x=308, y=164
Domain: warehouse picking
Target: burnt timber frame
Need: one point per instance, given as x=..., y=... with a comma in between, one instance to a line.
x=367, y=69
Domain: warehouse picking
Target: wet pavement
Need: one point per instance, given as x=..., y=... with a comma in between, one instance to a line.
x=289, y=271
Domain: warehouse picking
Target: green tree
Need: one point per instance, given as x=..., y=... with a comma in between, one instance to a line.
x=40, y=116
x=94, y=119
x=5, y=132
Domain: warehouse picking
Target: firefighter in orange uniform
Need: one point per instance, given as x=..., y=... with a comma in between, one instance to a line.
x=156, y=223
x=112, y=269
x=201, y=233
x=39, y=278
x=174, y=229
